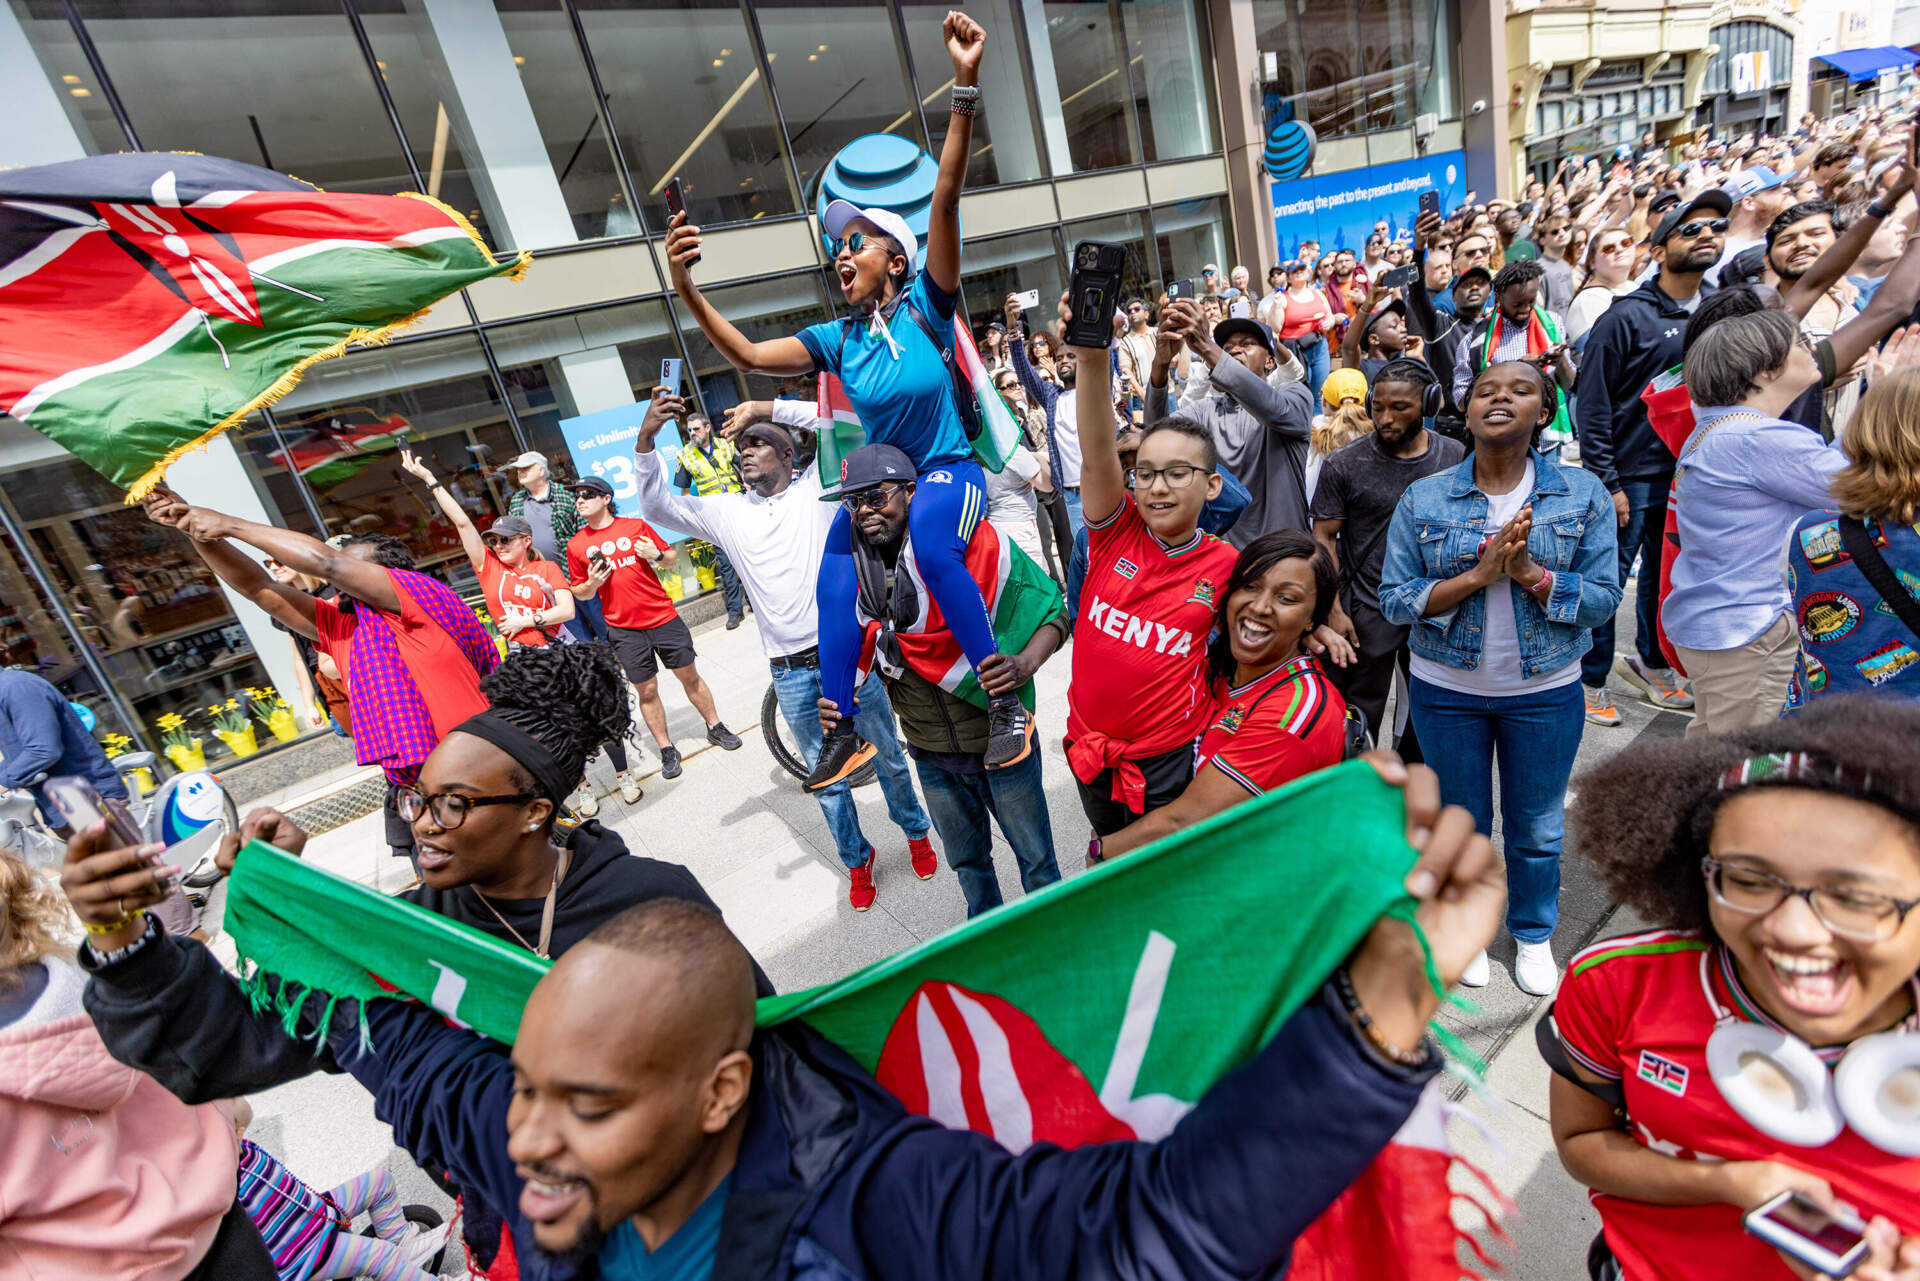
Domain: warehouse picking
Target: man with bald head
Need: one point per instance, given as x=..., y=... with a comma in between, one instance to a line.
x=642, y=1126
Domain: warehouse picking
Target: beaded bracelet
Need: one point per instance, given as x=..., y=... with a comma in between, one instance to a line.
x=966, y=100
x=119, y=954
x=1343, y=984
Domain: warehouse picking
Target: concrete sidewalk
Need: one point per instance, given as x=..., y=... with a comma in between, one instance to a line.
x=762, y=850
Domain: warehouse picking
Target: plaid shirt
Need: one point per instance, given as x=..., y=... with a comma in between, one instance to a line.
x=566, y=517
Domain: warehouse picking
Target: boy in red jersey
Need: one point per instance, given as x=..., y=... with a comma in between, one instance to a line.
x=1138, y=698
x=612, y=558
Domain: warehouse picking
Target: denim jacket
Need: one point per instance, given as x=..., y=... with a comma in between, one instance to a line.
x=1436, y=534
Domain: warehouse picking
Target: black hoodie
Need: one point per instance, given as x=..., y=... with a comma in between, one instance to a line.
x=1634, y=341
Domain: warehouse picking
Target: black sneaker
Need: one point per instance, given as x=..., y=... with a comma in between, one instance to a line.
x=735, y=621
x=842, y=752
x=1009, y=732
x=669, y=762
x=723, y=738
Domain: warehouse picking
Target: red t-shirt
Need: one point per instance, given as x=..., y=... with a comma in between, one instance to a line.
x=1140, y=643
x=1303, y=318
x=440, y=670
x=1633, y=1010
x=1268, y=732
x=534, y=586
x=633, y=597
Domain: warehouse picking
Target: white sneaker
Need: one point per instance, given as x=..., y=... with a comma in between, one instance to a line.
x=423, y=1243
x=583, y=802
x=1479, y=971
x=1534, y=969
x=629, y=789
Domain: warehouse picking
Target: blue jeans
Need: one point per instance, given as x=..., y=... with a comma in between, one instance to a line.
x=798, y=692
x=1536, y=736
x=588, y=622
x=1644, y=533
x=1315, y=360
x=961, y=805
x=1075, y=521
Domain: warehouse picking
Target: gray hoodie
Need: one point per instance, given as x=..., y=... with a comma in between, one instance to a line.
x=1262, y=430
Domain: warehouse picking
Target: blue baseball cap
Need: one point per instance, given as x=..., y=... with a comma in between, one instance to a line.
x=869, y=467
x=1753, y=180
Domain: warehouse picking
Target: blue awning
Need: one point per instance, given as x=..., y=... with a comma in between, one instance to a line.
x=1865, y=64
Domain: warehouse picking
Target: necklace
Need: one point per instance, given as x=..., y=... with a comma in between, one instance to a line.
x=546, y=912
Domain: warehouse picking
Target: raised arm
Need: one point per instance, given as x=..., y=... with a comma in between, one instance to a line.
x=1833, y=264
x=1103, y=485
x=456, y=515
x=1039, y=390
x=1890, y=307
x=966, y=42
x=776, y=357
x=289, y=606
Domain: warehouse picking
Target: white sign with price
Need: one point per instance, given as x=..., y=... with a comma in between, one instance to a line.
x=602, y=445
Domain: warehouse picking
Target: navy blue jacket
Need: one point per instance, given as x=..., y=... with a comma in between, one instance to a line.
x=1635, y=341
x=39, y=734
x=837, y=1182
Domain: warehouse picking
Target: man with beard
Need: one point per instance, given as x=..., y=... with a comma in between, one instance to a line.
x=1360, y=485
x=775, y=534
x=1345, y=290
x=1446, y=330
x=1635, y=340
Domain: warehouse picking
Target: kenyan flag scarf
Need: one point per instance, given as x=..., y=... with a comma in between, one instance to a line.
x=1543, y=332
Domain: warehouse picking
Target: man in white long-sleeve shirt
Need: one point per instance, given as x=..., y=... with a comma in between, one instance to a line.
x=775, y=534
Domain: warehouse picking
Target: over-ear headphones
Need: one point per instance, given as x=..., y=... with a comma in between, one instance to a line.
x=1405, y=369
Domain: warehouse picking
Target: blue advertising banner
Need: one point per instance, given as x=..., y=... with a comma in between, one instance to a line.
x=602, y=445
x=1339, y=209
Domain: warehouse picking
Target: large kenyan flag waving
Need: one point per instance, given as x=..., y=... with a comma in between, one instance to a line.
x=150, y=301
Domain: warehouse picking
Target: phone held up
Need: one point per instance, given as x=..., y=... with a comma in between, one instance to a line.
x=1028, y=301
x=1399, y=277
x=1831, y=1244
x=677, y=204
x=81, y=804
x=1094, y=294
x=1430, y=202
x=1185, y=287
x=670, y=374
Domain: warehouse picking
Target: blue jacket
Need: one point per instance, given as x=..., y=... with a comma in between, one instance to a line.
x=837, y=1182
x=40, y=735
x=1436, y=534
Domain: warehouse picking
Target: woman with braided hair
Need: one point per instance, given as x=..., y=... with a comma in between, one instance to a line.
x=491, y=856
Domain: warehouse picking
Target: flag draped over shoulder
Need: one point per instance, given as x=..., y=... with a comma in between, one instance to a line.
x=150, y=301
x=1182, y=960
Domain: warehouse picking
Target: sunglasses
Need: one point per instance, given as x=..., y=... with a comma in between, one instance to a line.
x=1698, y=225
x=499, y=540
x=876, y=498
x=852, y=242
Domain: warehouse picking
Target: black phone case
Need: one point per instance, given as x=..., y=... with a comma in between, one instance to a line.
x=1429, y=202
x=1094, y=293
x=676, y=202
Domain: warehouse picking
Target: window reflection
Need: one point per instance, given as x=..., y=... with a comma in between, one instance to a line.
x=1357, y=68
x=1004, y=265
x=839, y=74
x=51, y=37
x=1093, y=71
x=278, y=466
x=1172, y=81
x=1191, y=234
x=686, y=93
x=1005, y=148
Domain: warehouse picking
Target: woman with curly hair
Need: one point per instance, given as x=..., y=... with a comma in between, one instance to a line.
x=491, y=857
x=1694, y=1081
x=103, y=1174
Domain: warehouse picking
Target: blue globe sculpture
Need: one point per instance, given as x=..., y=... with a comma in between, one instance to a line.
x=1289, y=149
x=881, y=171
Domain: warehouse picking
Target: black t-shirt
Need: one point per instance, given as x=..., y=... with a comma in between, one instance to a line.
x=1360, y=485
x=602, y=881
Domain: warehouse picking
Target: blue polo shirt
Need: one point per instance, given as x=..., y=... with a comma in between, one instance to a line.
x=904, y=399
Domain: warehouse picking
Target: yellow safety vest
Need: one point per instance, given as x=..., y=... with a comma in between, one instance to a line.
x=715, y=474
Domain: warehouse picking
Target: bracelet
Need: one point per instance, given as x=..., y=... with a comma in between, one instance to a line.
x=1877, y=210
x=966, y=100
x=1546, y=581
x=1343, y=984
x=119, y=954
x=114, y=927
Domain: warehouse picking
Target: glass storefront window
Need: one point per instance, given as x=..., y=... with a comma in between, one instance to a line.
x=636, y=334
x=1172, y=84
x=297, y=451
x=1189, y=235
x=839, y=74
x=764, y=309
x=1352, y=69
x=151, y=612
x=992, y=269
x=278, y=83
x=1005, y=148
x=1091, y=66
x=686, y=93
x=51, y=37
x=436, y=398
x=1137, y=278
x=501, y=118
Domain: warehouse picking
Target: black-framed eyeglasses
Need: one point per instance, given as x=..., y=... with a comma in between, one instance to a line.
x=852, y=242
x=1698, y=225
x=877, y=497
x=1178, y=476
x=449, y=809
x=1866, y=915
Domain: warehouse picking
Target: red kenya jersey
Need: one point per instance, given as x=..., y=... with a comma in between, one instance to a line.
x=1268, y=732
x=1140, y=643
x=1634, y=1010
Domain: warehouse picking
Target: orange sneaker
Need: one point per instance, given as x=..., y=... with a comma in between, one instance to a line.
x=1600, y=708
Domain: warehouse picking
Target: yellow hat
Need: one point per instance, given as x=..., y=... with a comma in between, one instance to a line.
x=1341, y=386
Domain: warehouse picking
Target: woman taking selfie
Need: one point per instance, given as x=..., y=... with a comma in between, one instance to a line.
x=1762, y=1038
x=1276, y=716
x=888, y=357
x=1500, y=566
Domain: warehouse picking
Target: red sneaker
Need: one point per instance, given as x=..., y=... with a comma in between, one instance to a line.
x=926, y=864
x=861, y=893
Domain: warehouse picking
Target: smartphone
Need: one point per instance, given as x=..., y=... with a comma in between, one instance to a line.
x=596, y=558
x=1185, y=287
x=1028, y=300
x=82, y=806
x=1832, y=1244
x=1399, y=277
x=1094, y=294
x=1240, y=309
x=677, y=204
x=1430, y=202
x=670, y=374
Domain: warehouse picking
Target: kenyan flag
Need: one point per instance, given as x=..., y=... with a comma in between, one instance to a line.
x=329, y=448
x=150, y=301
x=1097, y=1009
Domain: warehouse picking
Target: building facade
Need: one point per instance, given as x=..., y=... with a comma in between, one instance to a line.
x=554, y=125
